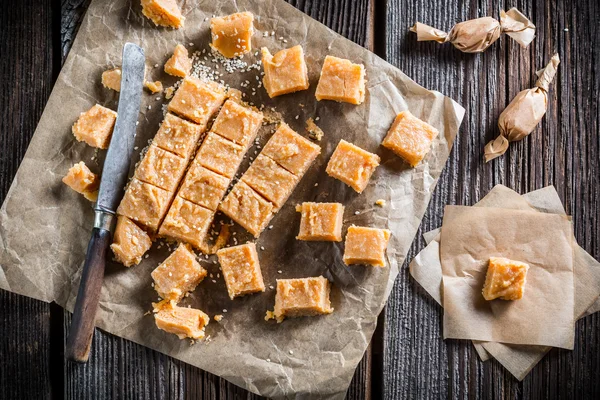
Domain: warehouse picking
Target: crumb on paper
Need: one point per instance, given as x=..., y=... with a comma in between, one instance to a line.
x=314, y=132
x=218, y=317
x=380, y=202
x=169, y=92
x=154, y=87
x=269, y=315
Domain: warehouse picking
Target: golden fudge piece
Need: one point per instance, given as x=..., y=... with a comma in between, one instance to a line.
x=301, y=298
x=366, y=246
x=285, y=72
x=178, y=274
x=232, y=34
x=82, y=180
x=182, y=321
x=204, y=187
x=290, y=150
x=410, y=138
x=220, y=155
x=247, y=208
x=154, y=87
x=130, y=242
x=177, y=135
x=111, y=79
x=187, y=221
x=241, y=270
x=352, y=165
x=197, y=100
x=161, y=168
x=144, y=203
x=505, y=279
x=341, y=80
x=95, y=126
x=321, y=221
x=270, y=180
x=237, y=123
x=163, y=13
x=180, y=63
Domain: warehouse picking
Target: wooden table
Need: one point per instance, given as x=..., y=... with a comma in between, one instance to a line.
x=407, y=358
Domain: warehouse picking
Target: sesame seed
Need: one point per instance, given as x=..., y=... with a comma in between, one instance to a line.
x=224, y=310
x=356, y=212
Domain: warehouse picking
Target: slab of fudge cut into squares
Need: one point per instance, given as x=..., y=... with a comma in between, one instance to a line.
x=185, y=322
x=145, y=203
x=203, y=187
x=301, y=298
x=179, y=274
x=177, y=136
x=187, y=222
x=83, y=181
x=366, y=246
x=290, y=150
x=180, y=64
x=270, y=180
x=285, y=71
x=410, y=138
x=352, y=165
x=241, y=270
x=248, y=208
x=220, y=155
x=95, y=126
x=111, y=79
x=130, y=242
x=237, y=123
x=163, y=13
x=161, y=168
x=505, y=279
x=196, y=100
x=341, y=81
x=320, y=221
x=232, y=34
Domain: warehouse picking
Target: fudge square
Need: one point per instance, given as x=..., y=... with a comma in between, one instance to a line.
x=178, y=274
x=247, y=208
x=82, y=180
x=320, y=221
x=182, y=321
x=197, y=100
x=161, y=168
x=111, y=79
x=187, y=222
x=341, y=81
x=270, y=180
x=237, y=123
x=505, y=279
x=130, y=242
x=180, y=63
x=220, y=155
x=232, y=34
x=366, y=246
x=352, y=165
x=95, y=126
x=410, y=138
x=290, y=150
x=285, y=72
x=203, y=187
x=241, y=270
x=163, y=13
x=177, y=136
x=301, y=298
x=145, y=203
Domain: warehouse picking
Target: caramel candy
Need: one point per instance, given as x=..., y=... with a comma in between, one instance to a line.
x=182, y=321
x=161, y=168
x=163, y=13
x=247, y=208
x=241, y=270
x=95, y=126
x=410, y=138
x=290, y=150
x=154, y=87
x=197, y=100
x=366, y=246
x=144, y=203
x=352, y=165
x=237, y=123
x=341, y=81
x=130, y=242
x=285, y=72
x=301, y=298
x=270, y=180
x=82, y=180
x=178, y=274
x=180, y=63
x=321, y=221
x=177, y=136
x=220, y=155
x=187, y=221
x=203, y=187
x=505, y=279
x=111, y=79
x=232, y=34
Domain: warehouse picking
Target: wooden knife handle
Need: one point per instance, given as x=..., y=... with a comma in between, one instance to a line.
x=88, y=296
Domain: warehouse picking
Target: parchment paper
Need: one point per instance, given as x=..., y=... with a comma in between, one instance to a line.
x=44, y=226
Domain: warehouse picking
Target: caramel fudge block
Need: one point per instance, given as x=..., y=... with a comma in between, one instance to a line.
x=95, y=126
x=410, y=138
x=187, y=221
x=177, y=136
x=178, y=274
x=220, y=155
x=341, y=81
x=241, y=270
x=82, y=180
x=352, y=165
x=182, y=321
x=154, y=87
x=161, y=168
x=197, y=100
x=203, y=187
x=505, y=279
x=232, y=34
x=290, y=150
x=111, y=79
x=302, y=298
x=144, y=203
x=130, y=242
x=321, y=221
x=366, y=246
x=270, y=180
x=285, y=72
x=163, y=13
x=247, y=208
x=180, y=63
x=237, y=123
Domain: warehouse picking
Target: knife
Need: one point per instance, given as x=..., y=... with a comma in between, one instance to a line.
x=113, y=180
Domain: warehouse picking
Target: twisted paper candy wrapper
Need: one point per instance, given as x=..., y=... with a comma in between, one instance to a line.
x=523, y=113
x=476, y=35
